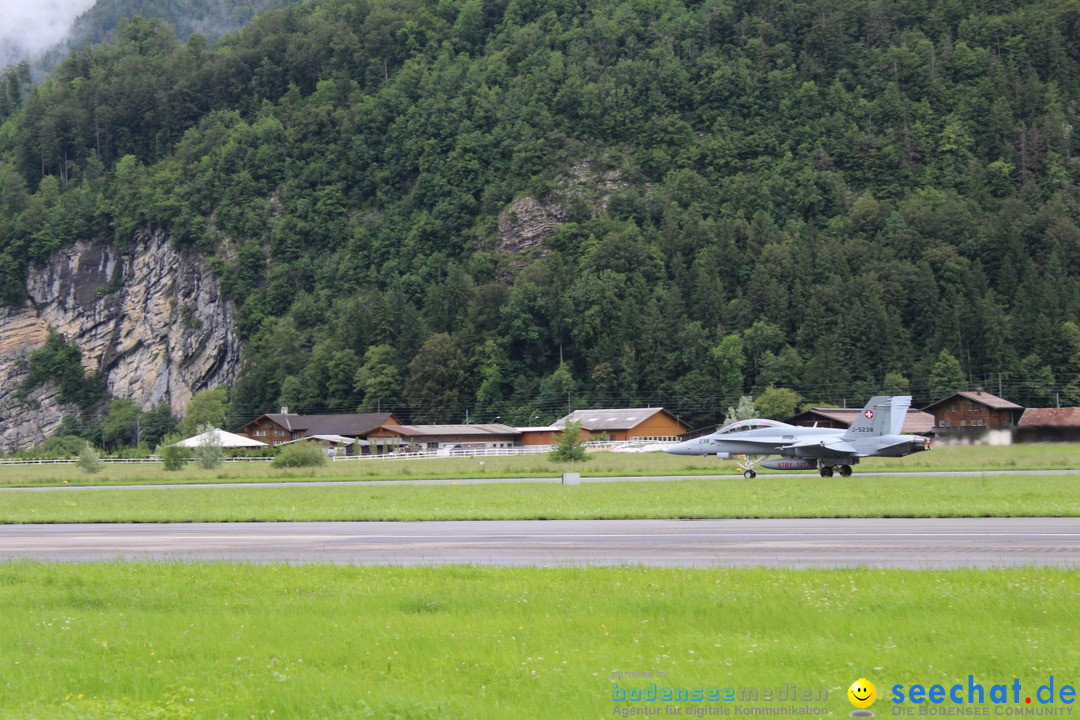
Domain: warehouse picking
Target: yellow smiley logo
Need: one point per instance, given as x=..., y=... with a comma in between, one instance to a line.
x=862, y=693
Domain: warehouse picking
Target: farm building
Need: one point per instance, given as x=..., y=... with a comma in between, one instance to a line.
x=277, y=428
x=434, y=437
x=650, y=424
x=1049, y=425
x=539, y=434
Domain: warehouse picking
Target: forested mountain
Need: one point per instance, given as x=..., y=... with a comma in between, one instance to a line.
x=210, y=18
x=836, y=198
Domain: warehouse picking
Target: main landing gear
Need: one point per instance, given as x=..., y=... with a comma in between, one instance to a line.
x=827, y=470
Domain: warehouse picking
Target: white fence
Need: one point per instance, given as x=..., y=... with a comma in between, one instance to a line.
x=122, y=461
x=473, y=452
x=455, y=453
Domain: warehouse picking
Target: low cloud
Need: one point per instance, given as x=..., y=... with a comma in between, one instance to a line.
x=29, y=28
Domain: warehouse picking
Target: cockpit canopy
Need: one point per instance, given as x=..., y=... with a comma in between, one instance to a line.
x=752, y=424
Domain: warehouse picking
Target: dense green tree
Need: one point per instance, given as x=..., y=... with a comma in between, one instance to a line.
x=89, y=460
x=173, y=456
x=557, y=390
x=742, y=410
x=947, y=377
x=570, y=445
x=208, y=453
x=1035, y=383
x=895, y=384
x=777, y=403
x=1070, y=396
x=379, y=380
x=121, y=425
x=61, y=362
x=435, y=388
x=158, y=422
x=728, y=360
x=206, y=407
x=489, y=392
x=341, y=380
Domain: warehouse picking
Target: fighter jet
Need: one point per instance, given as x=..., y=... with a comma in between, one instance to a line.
x=876, y=432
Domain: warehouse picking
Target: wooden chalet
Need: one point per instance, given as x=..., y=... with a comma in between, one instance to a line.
x=975, y=410
x=975, y=417
x=278, y=428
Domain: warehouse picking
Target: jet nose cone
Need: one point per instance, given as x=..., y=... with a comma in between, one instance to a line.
x=683, y=448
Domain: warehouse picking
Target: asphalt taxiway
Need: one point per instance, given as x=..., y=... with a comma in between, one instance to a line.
x=794, y=543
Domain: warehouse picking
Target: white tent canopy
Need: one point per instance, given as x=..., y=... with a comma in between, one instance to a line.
x=217, y=436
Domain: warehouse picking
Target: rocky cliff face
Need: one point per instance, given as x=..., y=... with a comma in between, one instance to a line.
x=527, y=223
x=151, y=320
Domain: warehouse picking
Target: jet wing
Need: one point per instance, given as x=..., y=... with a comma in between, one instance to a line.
x=765, y=443
x=817, y=447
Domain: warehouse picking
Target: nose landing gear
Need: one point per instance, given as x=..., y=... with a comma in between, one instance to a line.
x=747, y=465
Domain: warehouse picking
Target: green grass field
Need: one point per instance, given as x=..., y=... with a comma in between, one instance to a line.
x=767, y=496
x=138, y=641
x=600, y=464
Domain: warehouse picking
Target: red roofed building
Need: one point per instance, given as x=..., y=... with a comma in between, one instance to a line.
x=1049, y=425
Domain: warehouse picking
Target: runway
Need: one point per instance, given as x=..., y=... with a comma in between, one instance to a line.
x=802, y=543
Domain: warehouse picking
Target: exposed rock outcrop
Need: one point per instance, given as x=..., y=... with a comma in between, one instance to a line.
x=527, y=222
x=151, y=321
x=24, y=421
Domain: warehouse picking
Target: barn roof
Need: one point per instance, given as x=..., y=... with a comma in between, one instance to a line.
x=352, y=424
x=611, y=419
x=416, y=431
x=984, y=398
x=1066, y=417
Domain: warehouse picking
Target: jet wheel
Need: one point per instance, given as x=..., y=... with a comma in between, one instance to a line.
x=749, y=474
x=826, y=471
x=845, y=471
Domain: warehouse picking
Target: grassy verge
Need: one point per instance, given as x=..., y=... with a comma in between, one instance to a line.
x=772, y=496
x=135, y=641
x=600, y=464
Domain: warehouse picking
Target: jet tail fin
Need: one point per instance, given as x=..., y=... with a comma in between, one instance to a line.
x=883, y=415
